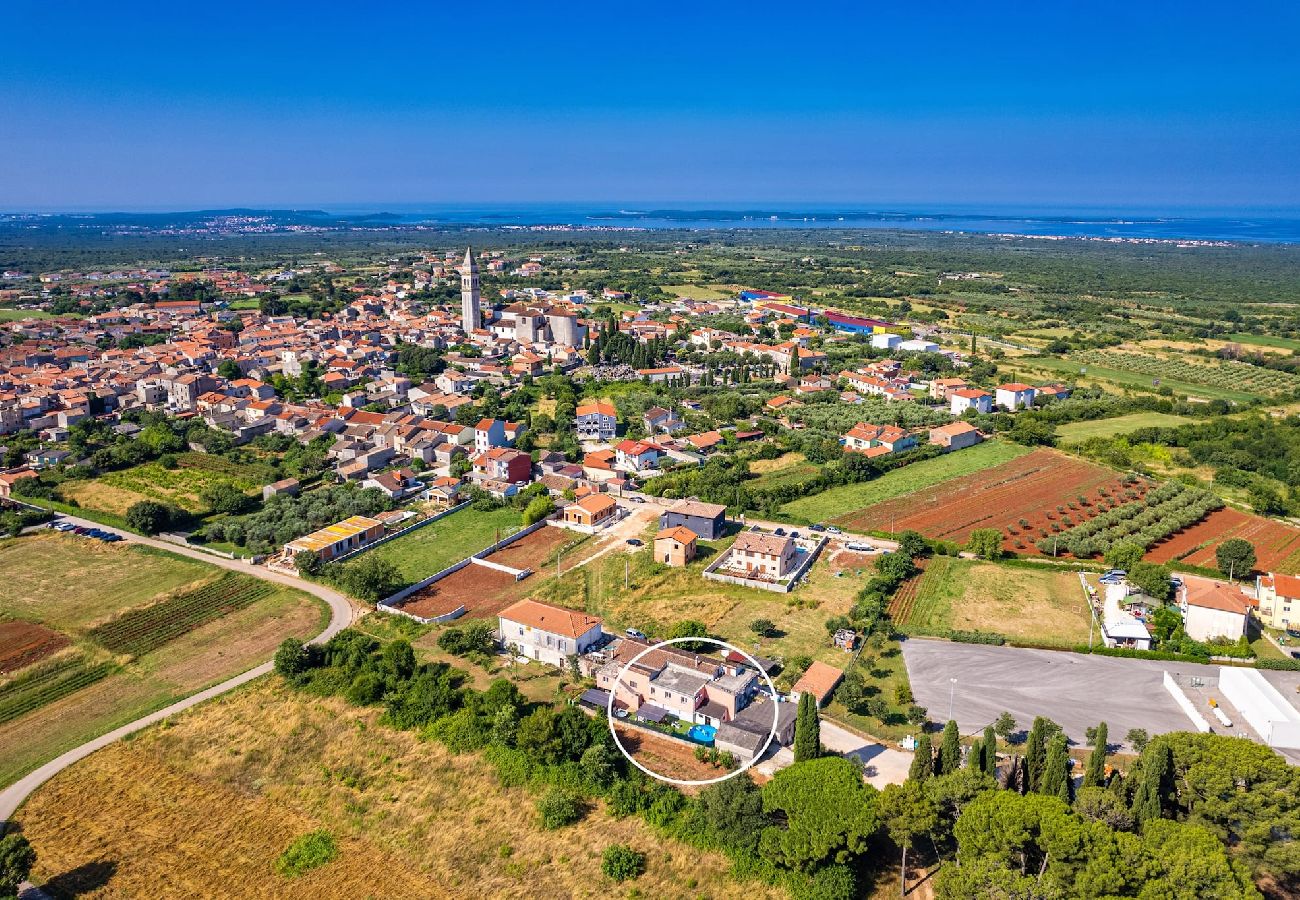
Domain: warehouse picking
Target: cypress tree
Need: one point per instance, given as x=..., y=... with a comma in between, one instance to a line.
x=923, y=760
x=1155, y=788
x=975, y=756
x=990, y=750
x=807, y=729
x=950, y=749
x=1035, y=753
x=1095, y=774
x=1056, y=771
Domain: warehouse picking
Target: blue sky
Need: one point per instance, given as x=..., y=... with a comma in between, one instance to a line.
x=1141, y=105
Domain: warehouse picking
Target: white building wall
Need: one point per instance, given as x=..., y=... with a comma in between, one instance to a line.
x=1202, y=623
x=1261, y=705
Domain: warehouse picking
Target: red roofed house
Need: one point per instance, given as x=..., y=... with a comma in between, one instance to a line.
x=591, y=511
x=675, y=546
x=955, y=436
x=503, y=464
x=963, y=399
x=1213, y=608
x=550, y=634
x=884, y=439
x=1014, y=396
x=596, y=421
x=1279, y=599
x=820, y=680
x=637, y=456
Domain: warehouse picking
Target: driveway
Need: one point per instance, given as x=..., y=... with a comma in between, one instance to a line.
x=882, y=765
x=342, y=614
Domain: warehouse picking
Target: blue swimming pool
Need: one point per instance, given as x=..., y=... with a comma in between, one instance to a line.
x=702, y=734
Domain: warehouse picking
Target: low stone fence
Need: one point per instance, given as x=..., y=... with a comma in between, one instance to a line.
x=717, y=571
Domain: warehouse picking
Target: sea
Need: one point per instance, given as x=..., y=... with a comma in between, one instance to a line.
x=1268, y=226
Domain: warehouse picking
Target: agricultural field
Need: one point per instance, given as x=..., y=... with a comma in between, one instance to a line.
x=1108, y=378
x=9, y=314
x=69, y=583
x=1127, y=518
x=114, y=492
x=484, y=591
x=1040, y=605
x=1224, y=374
x=24, y=643
x=111, y=632
x=243, y=776
x=434, y=547
x=1277, y=544
x=700, y=291
x=1079, y=431
x=1023, y=498
x=841, y=502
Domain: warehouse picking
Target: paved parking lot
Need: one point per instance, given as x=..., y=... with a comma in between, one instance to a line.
x=1075, y=690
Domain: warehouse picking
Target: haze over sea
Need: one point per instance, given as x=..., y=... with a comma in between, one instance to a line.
x=1250, y=226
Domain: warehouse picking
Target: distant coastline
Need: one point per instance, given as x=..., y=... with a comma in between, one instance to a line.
x=1245, y=227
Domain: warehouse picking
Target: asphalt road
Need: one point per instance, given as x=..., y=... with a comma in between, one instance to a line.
x=341, y=616
x=1074, y=690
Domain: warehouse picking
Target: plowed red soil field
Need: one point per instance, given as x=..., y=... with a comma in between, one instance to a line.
x=532, y=550
x=22, y=643
x=1022, y=498
x=900, y=605
x=1277, y=545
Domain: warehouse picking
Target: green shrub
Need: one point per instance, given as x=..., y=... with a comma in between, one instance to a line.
x=620, y=862
x=310, y=851
x=559, y=807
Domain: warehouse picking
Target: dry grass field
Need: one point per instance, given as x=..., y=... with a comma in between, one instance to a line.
x=67, y=582
x=216, y=795
x=1032, y=604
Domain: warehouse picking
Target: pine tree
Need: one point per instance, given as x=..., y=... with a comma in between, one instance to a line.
x=1155, y=789
x=923, y=760
x=807, y=729
x=1035, y=753
x=990, y=750
x=1095, y=774
x=1056, y=771
x=949, y=749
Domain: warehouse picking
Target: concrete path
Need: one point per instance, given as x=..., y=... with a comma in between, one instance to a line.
x=883, y=766
x=342, y=614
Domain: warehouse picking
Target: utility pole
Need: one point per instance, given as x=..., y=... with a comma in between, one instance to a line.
x=626, y=567
x=952, y=690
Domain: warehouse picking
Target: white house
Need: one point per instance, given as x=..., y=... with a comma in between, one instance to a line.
x=547, y=633
x=758, y=553
x=637, y=456
x=1014, y=396
x=1213, y=608
x=885, y=341
x=969, y=398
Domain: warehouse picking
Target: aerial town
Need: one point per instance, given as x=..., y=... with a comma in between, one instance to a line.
x=532, y=453
x=697, y=521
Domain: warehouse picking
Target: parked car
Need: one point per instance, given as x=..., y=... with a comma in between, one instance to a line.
x=637, y=499
x=77, y=529
x=112, y=538
x=833, y=529
x=780, y=532
x=858, y=547
x=817, y=527
x=634, y=542
x=638, y=635
x=795, y=535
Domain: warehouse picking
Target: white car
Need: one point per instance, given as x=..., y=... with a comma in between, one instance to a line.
x=859, y=547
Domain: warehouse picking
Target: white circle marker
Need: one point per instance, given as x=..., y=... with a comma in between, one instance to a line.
x=776, y=713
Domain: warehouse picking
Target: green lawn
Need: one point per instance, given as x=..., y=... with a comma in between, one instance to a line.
x=1097, y=373
x=15, y=315
x=850, y=498
x=1078, y=431
x=429, y=550
x=698, y=292
x=1264, y=340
